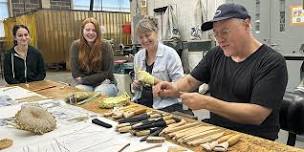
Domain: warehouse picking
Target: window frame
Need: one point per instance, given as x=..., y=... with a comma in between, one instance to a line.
x=99, y=6
x=3, y=2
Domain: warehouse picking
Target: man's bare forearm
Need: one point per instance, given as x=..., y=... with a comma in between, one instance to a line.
x=186, y=84
x=245, y=113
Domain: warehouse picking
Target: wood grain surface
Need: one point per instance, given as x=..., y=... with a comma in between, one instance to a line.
x=247, y=143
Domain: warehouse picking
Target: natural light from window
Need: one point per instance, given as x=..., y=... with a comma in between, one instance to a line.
x=3, y=15
x=103, y=5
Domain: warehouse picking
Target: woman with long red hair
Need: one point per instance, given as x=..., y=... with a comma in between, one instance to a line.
x=92, y=60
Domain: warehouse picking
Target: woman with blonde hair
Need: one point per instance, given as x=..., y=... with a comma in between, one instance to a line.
x=92, y=60
x=160, y=61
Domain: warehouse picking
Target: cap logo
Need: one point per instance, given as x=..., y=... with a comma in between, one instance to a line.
x=217, y=13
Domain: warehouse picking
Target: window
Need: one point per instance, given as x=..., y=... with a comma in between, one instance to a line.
x=103, y=5
x=282, y=16
x=19, y=7
x=3, y=15
x=81, y=5
x=60, y=4
x=257, y=16
x=116, y=5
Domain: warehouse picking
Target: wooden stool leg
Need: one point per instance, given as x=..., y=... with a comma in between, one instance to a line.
x=291, y=139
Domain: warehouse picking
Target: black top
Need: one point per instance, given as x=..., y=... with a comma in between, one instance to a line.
x=31, y=69
x=147, y=94
x=93, y=78
x=260, y=79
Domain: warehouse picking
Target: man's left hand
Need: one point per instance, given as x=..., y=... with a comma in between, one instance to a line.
x=194, y=101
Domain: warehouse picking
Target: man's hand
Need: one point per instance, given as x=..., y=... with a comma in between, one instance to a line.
x=194, y=101
x=245, y=113
x=165, y=89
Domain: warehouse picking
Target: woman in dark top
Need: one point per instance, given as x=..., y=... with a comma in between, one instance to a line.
x=23, y=63
x=92, y=60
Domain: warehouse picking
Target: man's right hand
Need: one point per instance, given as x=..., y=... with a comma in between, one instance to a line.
x=165, y=89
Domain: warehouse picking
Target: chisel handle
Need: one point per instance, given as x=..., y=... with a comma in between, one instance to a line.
x=101, y=123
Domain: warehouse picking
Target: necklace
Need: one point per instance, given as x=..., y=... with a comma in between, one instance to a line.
x=21, y=51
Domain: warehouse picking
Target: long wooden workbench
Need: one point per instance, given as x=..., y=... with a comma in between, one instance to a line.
x=248, y=143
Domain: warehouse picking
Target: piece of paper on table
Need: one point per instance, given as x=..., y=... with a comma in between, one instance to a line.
x=18, y=93
x=83, y=137
x=5, y=100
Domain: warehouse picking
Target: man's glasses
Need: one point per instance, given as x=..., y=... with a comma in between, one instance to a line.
x=223, y=33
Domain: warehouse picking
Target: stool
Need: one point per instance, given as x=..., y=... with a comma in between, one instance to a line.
x=292, y=115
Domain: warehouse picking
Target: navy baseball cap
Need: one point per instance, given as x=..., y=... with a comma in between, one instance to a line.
x=226, y=11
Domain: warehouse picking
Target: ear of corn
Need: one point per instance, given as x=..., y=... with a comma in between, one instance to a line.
x=111, y=102
x=79, y=96
x=145, y=77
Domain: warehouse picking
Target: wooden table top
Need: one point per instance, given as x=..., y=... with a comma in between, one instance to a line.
x=248, y=143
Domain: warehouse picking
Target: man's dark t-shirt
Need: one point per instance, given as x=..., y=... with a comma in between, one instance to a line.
x=260, y=79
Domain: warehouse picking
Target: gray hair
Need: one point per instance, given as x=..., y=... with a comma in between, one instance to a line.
x=147, y=24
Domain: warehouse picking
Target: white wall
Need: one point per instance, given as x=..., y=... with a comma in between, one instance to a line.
x=184, y=10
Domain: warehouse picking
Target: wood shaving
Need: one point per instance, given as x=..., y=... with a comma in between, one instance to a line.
x=5, y=143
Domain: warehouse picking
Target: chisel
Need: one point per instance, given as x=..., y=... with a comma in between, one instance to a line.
x=158, y=123
x=155, y=133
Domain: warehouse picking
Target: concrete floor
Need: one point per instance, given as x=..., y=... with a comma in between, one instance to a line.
x=67, y=77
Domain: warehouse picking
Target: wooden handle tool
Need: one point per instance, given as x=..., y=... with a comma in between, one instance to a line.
x=133, y=113
x=156, y=133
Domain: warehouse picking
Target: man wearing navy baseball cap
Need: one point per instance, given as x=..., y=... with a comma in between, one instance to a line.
x=247, y=79
x=224, y=12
